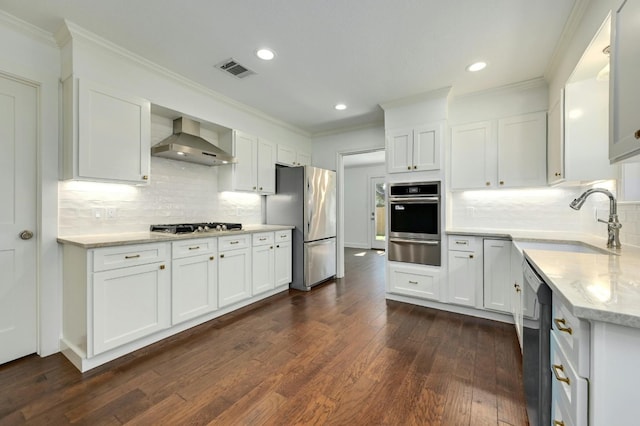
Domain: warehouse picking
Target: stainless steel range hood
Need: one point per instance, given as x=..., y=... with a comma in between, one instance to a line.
x=186, y=145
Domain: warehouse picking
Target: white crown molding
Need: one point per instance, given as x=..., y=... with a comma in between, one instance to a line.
x=569, y=30
x=27, y=29
x=77, y=32
x=417, y=98
x=534, y=83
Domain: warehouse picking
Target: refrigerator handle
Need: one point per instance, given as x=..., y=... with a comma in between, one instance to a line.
x=311, y=206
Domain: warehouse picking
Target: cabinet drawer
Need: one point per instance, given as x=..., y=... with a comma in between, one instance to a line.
x=572, y=335
x=124, y=256
x=263, y=238
x=234, y=242
x=568, y=389
x=415, y=281
x=194, y=247
x=282, y=236
x=462, y=243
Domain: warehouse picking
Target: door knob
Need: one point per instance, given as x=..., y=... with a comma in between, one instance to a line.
x=26, y=234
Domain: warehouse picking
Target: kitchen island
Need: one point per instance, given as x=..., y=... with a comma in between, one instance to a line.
x=122, y=292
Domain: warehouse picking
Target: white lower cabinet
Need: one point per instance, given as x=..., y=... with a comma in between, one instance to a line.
x=234, y=269
x=194, y=279
x=414, y=280
x=283, y=258
x=497, y=275
x=464, y=274
x=263, y=261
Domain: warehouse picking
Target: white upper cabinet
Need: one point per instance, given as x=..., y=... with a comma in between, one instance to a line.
x=522, y=150
x=288, y=156
x=414, y=149
x=578, y=129
x=624, y=140
x=255, y=168
x=106, y=134
x=514, y=156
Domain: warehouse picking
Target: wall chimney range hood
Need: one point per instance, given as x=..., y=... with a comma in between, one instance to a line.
x=186, y=145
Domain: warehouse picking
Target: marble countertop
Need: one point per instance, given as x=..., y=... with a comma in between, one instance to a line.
x=119, y=239
x=601, y=286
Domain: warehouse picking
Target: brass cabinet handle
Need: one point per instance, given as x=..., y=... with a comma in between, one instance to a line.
x=194, y=248
x=263, y=239
x=234, y=242
x=133, y=256
x=413, y=282
x=462, y=242
x=637, y=134
x=145, y=177
x=558, y=174
x=558, y=423
x=162, y=267
x=561, y=323
x=211, y=257
x=556, y=368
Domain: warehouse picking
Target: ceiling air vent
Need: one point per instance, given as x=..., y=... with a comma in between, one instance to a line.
x=234, y=68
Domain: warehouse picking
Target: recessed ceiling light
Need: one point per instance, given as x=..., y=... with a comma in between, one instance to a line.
x=340, y=107
x=265, y=54
x=477, y=66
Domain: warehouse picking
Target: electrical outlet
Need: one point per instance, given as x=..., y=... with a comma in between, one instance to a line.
x=97, y=213
x=111, y=213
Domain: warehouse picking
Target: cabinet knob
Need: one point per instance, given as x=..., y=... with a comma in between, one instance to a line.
x=637, y=134
x=162, y=267
x=415, y=167
x=254, y=187
x=278, y=246
x=271, y=247
x=408, y=167
x=145, y=177
x=260, y=188
x=558, y=174
x=501, y=182
x=211, y=257
x=222, y=255
x=470, y=256
x=488, y=183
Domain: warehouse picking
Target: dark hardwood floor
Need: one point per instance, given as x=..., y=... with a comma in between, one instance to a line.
x=338, y=355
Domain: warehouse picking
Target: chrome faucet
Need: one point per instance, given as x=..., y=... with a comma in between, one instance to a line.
x=613, y=225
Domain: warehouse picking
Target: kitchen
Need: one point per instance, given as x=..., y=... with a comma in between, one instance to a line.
x=66, y=209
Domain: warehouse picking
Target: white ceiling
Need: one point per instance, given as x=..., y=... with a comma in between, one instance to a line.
x=359, y=52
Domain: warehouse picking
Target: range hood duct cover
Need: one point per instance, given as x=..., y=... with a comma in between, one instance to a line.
x=186, y=145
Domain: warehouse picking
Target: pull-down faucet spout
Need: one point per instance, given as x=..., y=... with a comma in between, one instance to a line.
x=613, y=225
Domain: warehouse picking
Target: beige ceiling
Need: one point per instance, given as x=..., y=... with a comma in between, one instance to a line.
x=360, y=52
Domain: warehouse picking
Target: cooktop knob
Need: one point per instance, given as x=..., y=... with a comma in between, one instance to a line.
x=218, y=228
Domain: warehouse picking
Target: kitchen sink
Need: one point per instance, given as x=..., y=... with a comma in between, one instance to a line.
x=568, y=246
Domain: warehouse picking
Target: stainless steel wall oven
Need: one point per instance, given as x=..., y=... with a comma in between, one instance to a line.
x=414, y=223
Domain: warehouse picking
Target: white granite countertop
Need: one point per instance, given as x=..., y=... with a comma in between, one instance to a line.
x=601, y=286
x=119, y=239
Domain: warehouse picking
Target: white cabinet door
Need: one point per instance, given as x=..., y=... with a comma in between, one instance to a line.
x=129, y=303
x=283, y=263
x=497, y=270
x=517, y=291
x=234, y=276
x=286, y=155
x=473, y=156
x=462, y=277
x=400, y=150
x=263, y=261
x=113, y=139
x=426, y=148
x=245, y=150
x=266, y=171
x=522, y=149
x=303, y=159
x=624, y=122
x=194, y=287
x=555, y=144
x=415, y=280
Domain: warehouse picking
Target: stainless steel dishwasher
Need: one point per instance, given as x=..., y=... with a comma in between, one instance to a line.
x=535, y=349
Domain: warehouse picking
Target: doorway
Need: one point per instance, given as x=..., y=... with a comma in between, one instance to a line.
x=377, y=189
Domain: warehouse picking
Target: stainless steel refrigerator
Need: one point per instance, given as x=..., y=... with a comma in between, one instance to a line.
x=306, y=198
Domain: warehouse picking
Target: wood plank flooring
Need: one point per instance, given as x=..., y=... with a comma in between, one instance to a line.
x=338, y=355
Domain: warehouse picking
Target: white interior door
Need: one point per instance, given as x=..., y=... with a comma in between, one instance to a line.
x=377, y=199
x=18, y=132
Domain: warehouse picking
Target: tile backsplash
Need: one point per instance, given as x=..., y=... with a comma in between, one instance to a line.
x=542, y=209
x=177, y=192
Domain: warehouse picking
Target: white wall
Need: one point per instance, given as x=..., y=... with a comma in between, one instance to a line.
x=30, y=54
x=357, y=204
x=326, y=148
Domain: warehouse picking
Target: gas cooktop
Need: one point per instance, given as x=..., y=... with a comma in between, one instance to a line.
x=186, y=228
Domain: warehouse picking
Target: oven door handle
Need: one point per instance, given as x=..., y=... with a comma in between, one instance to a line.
x=427, y=242
x=414, y=199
